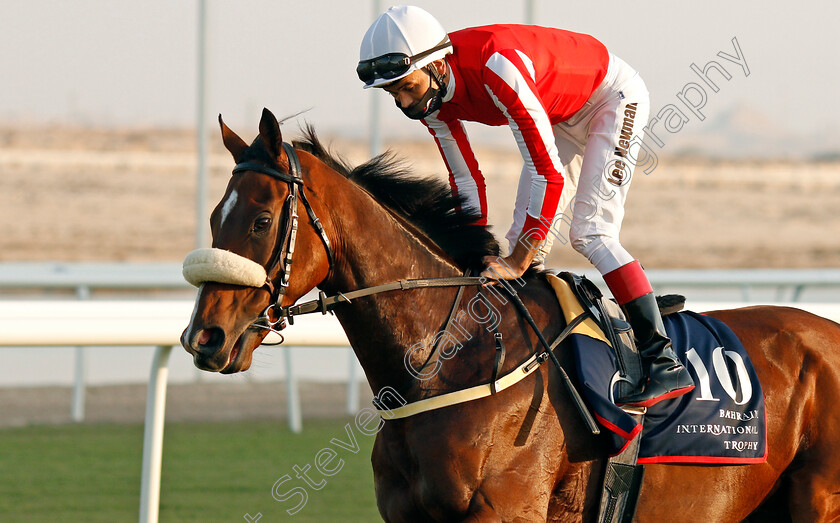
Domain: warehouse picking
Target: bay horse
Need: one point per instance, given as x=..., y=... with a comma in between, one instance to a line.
x=523, y=454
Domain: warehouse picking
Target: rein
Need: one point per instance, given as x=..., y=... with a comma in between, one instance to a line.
x=282, y=259
x=286, y=246
x=326, y=304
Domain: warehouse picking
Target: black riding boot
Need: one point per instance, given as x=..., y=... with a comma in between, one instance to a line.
x=666, y=376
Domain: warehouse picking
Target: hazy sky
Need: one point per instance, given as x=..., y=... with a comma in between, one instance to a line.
x=120, y=62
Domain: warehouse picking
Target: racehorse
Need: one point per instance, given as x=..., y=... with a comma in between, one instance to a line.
x=523, y=454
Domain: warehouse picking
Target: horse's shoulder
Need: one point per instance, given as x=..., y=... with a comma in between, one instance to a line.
x=537, y=288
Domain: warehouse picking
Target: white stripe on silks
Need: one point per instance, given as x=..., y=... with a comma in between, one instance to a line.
x=467, y=188
x=512, y=76
x=528, y=64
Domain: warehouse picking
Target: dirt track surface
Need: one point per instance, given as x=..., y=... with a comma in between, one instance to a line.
x=107, y=195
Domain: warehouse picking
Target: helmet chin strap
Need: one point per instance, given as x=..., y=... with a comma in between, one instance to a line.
x=438, y=78
x=432, y=99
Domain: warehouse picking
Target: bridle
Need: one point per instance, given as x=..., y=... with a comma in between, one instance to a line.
x=281, y=260
x=284, y=251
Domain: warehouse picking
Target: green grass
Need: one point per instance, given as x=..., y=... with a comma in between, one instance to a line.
x=211, y=472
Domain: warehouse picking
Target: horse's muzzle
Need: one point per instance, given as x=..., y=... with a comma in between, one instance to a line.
x=207, y=348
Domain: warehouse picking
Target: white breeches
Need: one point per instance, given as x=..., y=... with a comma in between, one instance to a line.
x=593, y=146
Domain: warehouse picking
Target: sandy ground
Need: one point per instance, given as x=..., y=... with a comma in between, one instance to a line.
x=77, y=194
x=106, y=195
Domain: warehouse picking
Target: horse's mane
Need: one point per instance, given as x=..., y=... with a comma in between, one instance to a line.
x=427, y=203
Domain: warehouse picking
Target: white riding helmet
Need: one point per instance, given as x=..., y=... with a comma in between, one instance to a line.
x=401, y=40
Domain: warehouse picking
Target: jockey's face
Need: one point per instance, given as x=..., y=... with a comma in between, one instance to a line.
x=410, y=89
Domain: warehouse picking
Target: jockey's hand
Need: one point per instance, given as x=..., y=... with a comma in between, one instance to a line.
x=514, y=265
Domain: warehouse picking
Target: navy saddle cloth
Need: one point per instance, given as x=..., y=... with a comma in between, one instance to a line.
x=721, y=421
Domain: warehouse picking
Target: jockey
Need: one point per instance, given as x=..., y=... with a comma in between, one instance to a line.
x=573, y=107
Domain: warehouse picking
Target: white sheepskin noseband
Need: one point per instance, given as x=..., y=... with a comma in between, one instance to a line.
x=222, y=266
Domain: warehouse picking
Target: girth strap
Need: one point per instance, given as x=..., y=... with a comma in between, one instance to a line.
x=623, y=479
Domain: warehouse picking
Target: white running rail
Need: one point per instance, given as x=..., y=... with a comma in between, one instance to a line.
x=70, y=323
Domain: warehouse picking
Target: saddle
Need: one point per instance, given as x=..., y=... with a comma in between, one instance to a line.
x=623, y=476
x=612, y=322
x=610, y=318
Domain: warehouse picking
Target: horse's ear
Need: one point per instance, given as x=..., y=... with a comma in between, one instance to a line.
x=232, y=141
x=270, y=134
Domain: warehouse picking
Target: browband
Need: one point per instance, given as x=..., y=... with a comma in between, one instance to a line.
x=217, y=265
x=274, y=173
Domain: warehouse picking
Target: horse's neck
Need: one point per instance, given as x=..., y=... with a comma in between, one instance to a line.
x=384, y=248
x=377, y=247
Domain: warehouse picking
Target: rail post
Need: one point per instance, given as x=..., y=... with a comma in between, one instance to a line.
x=153, y=436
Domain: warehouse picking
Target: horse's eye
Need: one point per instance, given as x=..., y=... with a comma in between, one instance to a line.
x=261, y=224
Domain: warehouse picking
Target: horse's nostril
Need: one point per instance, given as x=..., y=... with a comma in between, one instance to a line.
x=203, y=337
x=210, y=339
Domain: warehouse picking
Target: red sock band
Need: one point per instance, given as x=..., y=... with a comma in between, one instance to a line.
x=628, y=282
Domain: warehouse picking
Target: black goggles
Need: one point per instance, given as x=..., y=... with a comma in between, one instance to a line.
x=392, y=65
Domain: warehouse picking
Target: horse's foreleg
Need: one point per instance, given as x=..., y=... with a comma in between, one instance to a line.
x=813, y=497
